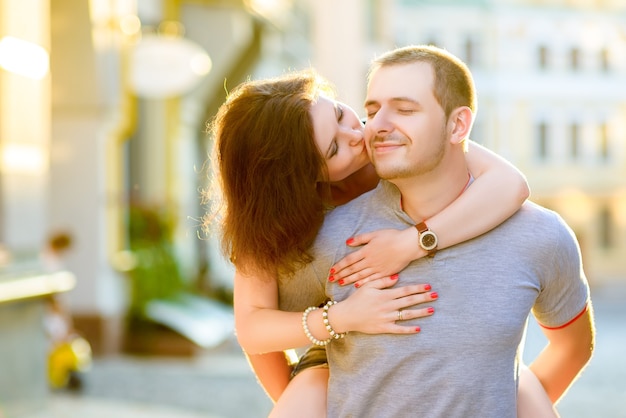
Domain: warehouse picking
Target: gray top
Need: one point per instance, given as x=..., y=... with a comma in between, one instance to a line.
x=464, y=362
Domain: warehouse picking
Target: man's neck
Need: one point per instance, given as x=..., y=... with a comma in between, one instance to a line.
x=428, y=194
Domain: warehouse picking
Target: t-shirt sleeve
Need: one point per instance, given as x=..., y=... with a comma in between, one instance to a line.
x=564, y=292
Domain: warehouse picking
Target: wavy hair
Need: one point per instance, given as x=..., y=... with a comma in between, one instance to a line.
x=267, y=167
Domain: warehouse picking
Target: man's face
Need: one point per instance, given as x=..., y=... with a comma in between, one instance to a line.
x=405, y=131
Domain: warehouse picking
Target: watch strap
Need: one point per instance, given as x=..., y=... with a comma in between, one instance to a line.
x=421, y=227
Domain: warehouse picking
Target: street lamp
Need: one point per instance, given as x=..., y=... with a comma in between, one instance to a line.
x=163, y=66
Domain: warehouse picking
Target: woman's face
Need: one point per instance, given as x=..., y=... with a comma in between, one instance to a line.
x=339, y=136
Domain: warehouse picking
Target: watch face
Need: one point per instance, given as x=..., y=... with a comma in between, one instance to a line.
x=428, y=240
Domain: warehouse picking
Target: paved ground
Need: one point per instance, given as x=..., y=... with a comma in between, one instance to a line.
x=219, y=384
x=68, y=406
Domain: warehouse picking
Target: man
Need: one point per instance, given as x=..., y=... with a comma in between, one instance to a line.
x=465, y=361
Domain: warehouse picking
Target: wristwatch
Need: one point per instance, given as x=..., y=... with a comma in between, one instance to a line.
x=427, y=238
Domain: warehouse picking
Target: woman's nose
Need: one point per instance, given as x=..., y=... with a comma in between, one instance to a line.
x=355, y=137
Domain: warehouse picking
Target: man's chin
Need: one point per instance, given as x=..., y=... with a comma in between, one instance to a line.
x=386, y=174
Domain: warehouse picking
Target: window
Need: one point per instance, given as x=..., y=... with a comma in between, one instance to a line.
x=543, y=57
x=605, y=64
x=477, y=133
x=606, y=228
x=603, y=142
x=574, y=59
x=469, y=52
x=542, y=140
x=574, y=148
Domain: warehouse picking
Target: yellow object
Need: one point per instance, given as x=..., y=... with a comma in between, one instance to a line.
x=69, y=356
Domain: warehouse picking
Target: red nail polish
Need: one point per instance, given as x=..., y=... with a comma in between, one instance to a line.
x=331, y=278
x=357, y=285
x=434, y=295
x=349, y=241
x=341, y=281
x=394, y=276
x=430, y=310
x=417, y=329
x=332, y=271
x=427, y=287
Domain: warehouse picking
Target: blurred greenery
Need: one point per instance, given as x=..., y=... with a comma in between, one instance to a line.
x=156, y=273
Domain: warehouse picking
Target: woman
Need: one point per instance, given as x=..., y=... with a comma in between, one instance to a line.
x=281, y=167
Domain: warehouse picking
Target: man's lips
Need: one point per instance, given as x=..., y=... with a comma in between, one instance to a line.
x=383, y=147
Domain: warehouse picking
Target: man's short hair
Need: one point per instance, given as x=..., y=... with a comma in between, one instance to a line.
x=453, y=81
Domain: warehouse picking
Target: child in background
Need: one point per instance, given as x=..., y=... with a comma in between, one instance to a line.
x=69, y=353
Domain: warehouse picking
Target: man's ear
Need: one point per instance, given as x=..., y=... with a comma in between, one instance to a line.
x=461, y=120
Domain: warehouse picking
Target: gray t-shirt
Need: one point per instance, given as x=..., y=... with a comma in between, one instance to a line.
x=464, y=362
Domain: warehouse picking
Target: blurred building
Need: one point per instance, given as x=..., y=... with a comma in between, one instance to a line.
x=109, y=109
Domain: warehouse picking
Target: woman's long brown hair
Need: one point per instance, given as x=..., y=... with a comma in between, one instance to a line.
x=268, y=165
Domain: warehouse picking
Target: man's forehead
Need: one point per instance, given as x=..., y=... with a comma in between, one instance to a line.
x=399, y=80
x=401, y=72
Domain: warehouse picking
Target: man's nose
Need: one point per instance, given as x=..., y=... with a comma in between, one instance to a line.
x=379, y=124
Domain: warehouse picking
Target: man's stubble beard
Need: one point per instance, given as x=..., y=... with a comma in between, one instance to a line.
x=408, y=169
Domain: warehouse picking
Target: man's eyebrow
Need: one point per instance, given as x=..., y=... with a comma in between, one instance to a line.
x=370, y=103
x=402, y=99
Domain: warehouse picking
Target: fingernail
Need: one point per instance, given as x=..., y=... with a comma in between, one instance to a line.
x=417, y=329
x=357, y=285
x=332, y=271
x=331, y=278
x=349, y=241
x=430, y=310
x=434, y=295
x=427, y=287
x=394, y=276
x=341, y=281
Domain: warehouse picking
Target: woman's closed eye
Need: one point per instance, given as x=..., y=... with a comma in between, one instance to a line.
x=339, y=111
x=332, y=149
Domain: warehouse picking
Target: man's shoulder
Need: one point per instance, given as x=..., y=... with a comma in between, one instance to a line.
x=533, y=217
x=532, y=210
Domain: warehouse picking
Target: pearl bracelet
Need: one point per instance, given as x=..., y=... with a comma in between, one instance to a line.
x=307, y=332
x=333, y=334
